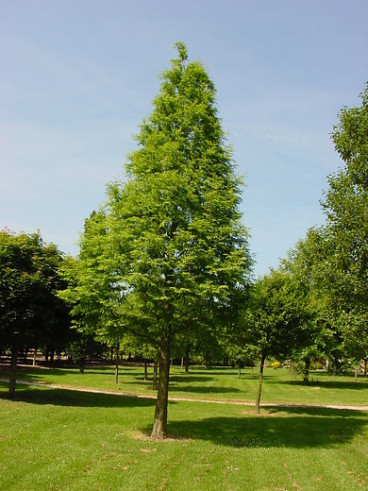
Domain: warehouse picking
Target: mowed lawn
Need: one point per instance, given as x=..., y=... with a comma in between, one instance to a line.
x=279, y=385
x=64, y=439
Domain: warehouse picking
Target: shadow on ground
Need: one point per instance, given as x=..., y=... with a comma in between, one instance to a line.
x=202, y=389
x=295, y=428
x=62, y=397
x=175, y=379
x=326, y=384
x=276, y=427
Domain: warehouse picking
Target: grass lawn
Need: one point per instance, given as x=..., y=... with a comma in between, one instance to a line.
x=279, y=385
x=68, y=440
x=59, y=439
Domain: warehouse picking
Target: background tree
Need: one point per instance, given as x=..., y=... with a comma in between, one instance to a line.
x=346, y=208
x=241, y=355
x=94, y=293
x=181, y=249
x=81, y=347
x=305, y=265
x=277, y=320
x=30, y=311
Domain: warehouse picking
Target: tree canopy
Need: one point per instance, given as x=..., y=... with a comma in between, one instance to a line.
x=176, y=247
x=31, y=314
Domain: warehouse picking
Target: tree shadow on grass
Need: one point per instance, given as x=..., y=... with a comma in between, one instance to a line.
x=317, y=429
x=62, y=397
x=246, y=373
x=202, y=389
x=174, y=379
x=190, y=378
x=326, y=384
x=179, y=387
x=36, y=372
x=315, y=411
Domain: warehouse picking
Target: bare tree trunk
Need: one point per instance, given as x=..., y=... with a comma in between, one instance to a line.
x=159, y=431
x=337, y=365
x=356, y=375
x=182, y=363
x=34, y=357
x=117, y=364
x=258, y=401
x=82, y=362
x=154, y=382
x=13, y=371
x=145, y=370
x=187, y=359
x=307, y=363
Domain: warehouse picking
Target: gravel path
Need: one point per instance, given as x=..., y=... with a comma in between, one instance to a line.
x=189, y=399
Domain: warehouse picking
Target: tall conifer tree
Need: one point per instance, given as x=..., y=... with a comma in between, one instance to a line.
x=178, y=247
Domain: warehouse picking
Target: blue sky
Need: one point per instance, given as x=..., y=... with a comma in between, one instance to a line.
x=78, y=77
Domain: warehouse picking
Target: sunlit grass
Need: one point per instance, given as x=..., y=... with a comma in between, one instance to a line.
x=58, y=439
x=280, y=385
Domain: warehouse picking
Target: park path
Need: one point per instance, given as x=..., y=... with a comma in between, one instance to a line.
x=192, y=399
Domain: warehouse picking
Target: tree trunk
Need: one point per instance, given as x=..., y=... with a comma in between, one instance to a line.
x=145, y=370
x=154, y=382
x=159, y=431
x=187, y=359
x=81, y=365
x=13, y=371
x=365, y=367
x=258, y=401
x=34, y=357
x=307, y=363
x=356, y=375
x=337, y=365
x=182, y=363
x=117, y=364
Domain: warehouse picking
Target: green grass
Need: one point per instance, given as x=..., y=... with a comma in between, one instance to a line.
x=279, y=385
x=68, y=440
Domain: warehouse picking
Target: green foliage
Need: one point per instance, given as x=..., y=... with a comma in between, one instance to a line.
x=168, y=256
x=346, y=208
x=182, y=251
x=31, y=314
x=278, y=319
x=182, y=248
x=87, y=290
x=332, y=261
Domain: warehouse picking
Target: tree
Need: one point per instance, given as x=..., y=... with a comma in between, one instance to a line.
x=30, y=311
x=241, y=355
x=346, y=207
x=305, y=265
x=180, y=251
x=93, y=292
x=277, y=320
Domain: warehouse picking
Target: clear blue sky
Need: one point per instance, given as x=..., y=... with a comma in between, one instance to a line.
x=78, y=77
